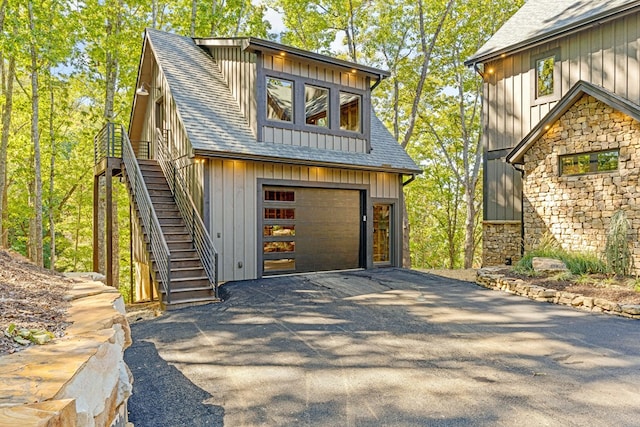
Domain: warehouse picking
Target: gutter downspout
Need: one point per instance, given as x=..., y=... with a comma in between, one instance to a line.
x=409, y=181
x=520, y=168
x=378, y=81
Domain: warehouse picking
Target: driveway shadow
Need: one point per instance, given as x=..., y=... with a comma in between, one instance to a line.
x=176, y=400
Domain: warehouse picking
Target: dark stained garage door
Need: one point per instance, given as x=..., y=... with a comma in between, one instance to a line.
x=310, y=229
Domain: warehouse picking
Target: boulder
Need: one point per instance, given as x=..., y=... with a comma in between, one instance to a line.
x=548, y=265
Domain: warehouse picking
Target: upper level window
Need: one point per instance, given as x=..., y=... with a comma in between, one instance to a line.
x=578, y=164
x=350, y=108
x=279, y=99
x=544, y=76
x=316, y=105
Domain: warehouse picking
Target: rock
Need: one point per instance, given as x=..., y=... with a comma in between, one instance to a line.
x=631, y=309
x=607, y=305
x=548, y=265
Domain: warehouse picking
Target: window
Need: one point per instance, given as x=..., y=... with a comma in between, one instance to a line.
x=350, y=111
x=316, y=105
x=279, y=99
x=544, y=76
x=578, y=164
x=382, y=233
x=279, y=196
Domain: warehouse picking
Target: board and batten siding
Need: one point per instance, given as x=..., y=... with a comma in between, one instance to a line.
x=233, y=193
x=606, y=54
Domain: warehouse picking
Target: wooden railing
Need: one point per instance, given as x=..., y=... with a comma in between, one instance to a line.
x=201, y=238
x=112, y=141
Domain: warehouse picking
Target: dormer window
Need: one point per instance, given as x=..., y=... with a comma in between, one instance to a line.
x=313, y=105
x=279, y=99
x=350, y=108
x=316, y=104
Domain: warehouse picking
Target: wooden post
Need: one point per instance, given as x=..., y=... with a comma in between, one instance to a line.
x=96, y=206
x=109, y=224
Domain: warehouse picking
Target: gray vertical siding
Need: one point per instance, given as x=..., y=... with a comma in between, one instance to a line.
x=234, y=192
x=607, y=55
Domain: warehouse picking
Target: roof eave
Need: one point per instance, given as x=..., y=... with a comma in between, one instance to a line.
x=560, y=32
x=302, y=162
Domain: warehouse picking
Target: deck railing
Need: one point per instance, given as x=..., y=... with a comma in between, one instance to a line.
x=201, y=238
x=113, y=141
x=108, y=142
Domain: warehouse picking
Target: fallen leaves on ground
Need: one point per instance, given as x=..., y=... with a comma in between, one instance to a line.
x=32, y=299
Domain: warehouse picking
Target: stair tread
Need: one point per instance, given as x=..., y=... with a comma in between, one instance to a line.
x=189, y=279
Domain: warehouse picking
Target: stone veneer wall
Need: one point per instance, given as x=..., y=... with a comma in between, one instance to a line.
x=576, y=210
x=500, y=240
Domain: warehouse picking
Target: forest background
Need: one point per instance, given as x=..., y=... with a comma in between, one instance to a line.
x=69, y=66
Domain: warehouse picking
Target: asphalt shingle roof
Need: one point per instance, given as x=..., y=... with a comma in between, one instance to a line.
x=215, y=126
x=539, y=20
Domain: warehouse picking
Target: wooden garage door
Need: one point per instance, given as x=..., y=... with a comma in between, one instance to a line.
x=310, y=229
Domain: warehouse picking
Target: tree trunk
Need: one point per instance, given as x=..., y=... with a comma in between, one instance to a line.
x=35, y=137
x=52, y=225
x=4, y=144
x=194, y=12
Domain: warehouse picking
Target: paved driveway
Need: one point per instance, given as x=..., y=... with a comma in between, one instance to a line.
x=385, y=347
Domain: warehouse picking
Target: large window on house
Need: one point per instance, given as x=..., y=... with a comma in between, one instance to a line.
x=312, y=105
x=316, y=105
x=350, y=111
x=583, y=163
x=279, y=99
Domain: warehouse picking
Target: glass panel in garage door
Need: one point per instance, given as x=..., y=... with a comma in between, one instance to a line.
x=278, y=231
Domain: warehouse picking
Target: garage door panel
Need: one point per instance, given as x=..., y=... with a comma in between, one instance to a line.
x=327, y=228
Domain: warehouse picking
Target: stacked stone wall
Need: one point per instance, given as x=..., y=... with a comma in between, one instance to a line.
x=576, y=210
x=501, y=241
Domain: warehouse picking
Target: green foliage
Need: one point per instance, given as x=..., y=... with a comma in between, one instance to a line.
x=24, y=336
x=617, y=250
x=578, y=263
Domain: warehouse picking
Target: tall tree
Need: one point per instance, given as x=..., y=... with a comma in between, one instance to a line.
x=8, y=78
x=37, y=243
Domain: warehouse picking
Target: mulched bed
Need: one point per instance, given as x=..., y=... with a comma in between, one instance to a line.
x=618, y=290
x=30, y=297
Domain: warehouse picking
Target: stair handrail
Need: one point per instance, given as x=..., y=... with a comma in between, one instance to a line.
x=149, y=219
x=201, y=238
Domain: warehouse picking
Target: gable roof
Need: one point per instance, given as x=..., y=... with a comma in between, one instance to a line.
x=539, y=21
x=581, y=88
x=216, y=127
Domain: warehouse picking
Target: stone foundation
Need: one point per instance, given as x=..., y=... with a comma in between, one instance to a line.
x=501, y=242
x=575, y=210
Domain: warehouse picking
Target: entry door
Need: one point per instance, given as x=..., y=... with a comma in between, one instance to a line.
x=310, y=229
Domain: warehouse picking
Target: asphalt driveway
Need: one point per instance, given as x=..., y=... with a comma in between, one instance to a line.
x=386, y=347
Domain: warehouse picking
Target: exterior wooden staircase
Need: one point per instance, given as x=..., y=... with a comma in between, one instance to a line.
x=189, y=281
x=184, y=261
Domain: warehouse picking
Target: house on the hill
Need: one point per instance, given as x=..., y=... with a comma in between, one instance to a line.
x=560, y=118
x=275, y=150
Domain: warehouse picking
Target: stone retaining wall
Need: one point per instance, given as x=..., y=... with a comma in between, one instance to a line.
x=77, y=380
x=488, y=278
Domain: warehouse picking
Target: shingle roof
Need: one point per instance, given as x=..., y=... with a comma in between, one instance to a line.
x=216, y=127
x=581, y=88
x=540, y=20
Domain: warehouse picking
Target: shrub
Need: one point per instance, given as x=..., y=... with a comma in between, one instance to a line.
x=578, y=263
x=617, y=250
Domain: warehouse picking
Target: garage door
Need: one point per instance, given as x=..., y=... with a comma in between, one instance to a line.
x=310, y=229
